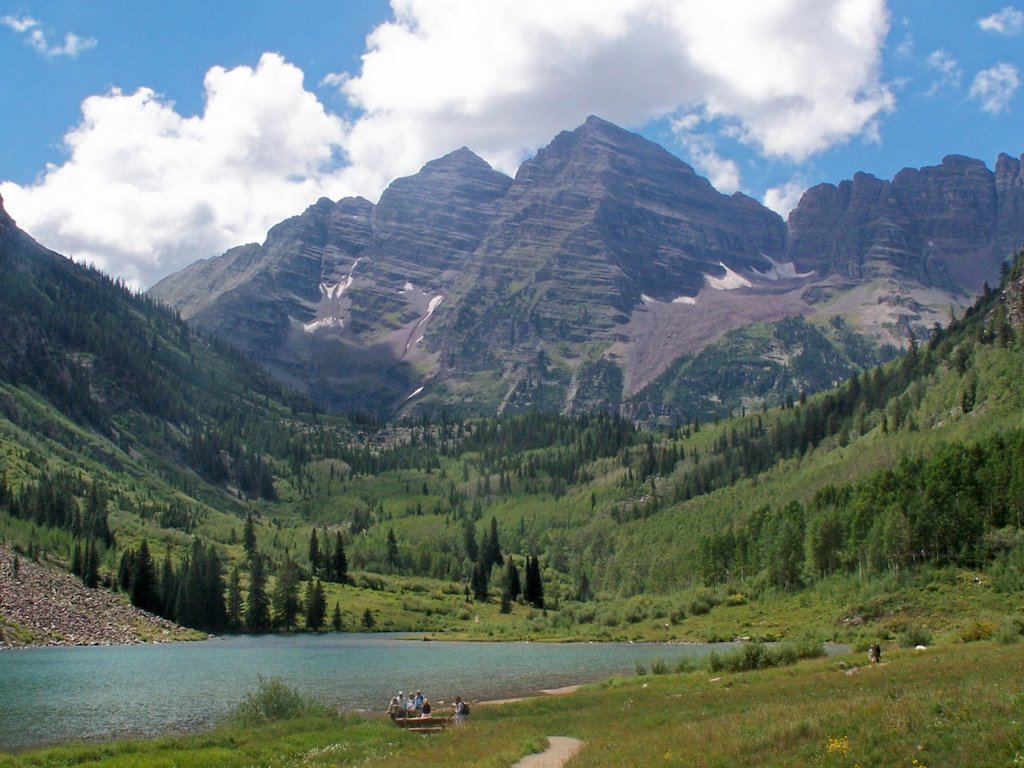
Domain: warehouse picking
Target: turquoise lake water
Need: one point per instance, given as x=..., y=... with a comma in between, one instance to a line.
x=52, y=695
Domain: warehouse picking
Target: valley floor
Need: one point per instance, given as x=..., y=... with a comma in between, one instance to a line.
x=958, y=704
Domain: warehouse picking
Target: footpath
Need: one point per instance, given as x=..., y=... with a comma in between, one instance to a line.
x=560, y=749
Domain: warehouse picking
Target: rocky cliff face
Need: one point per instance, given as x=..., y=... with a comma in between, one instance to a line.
x=947, y=226
x=603, y=261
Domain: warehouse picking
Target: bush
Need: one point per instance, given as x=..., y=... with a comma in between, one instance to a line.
x=914, y=635
x=1011, y=630
x=752, y=656
x=274, y=700
x=659, y=667
x=699, y=607
x=979, y=629
x=684, y=664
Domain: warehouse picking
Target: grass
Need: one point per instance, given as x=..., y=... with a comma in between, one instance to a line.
x=956, y=704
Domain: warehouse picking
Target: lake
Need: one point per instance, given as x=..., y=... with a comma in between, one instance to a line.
x=52, y=695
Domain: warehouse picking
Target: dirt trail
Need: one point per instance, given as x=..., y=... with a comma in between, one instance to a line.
x=560, y=749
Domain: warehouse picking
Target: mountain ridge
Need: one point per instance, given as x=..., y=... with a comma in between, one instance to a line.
x=466, y=290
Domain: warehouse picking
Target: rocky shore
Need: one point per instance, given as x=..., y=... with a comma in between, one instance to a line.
x=41, y=604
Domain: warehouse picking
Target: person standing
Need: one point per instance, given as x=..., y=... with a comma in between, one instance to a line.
x=460, y=711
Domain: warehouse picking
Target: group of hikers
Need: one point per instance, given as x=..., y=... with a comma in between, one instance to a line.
x=417, y=705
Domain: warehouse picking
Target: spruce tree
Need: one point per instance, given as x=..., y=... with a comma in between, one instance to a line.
x=469, y=540
x=340, y=560
x=257, y=609
x=368, y=621
x=168, y=585
x=143, y=593
x=314, y=553
x=533, y=591
x=392, y=549
x=478, y=581
x=336, y=623
x=234, y=603
x=316, y=604
x=249, y=536
x=492, y=550
x=286, y=595
x=91, y=564
x=513, y=585
x=76, y=561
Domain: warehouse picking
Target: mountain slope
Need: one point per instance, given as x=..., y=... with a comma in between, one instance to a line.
x=581, y=281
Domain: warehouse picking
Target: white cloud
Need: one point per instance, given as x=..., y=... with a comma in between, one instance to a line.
x=792, y=77
x=947, y=69
x=33, y=33
x=19, y=24
x=783, y=199
x=994, y=87
x=146, y=191
x=723, y=173
x=1008, y=21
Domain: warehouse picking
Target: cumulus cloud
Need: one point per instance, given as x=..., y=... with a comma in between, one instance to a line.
x=32, y=31
x=146, y=191
x=784, y=198
x=1008, y=21
x=948, y=73
x=788, y=77
x=993, y=88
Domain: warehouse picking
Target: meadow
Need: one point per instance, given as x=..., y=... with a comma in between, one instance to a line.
x=950, y=704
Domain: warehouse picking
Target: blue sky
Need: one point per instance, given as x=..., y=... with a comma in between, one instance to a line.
x=142, y=136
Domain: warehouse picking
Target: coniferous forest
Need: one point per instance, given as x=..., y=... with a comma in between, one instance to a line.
x=149, y=460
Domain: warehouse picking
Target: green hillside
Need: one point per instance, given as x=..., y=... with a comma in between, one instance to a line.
x=152, y=461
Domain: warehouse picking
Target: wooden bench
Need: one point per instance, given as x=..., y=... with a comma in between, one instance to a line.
x=427, y=724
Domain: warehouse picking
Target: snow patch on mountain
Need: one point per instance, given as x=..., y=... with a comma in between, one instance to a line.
x=782, y=271
x=730, y=282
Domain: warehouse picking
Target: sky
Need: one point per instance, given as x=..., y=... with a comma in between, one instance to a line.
x=141, y=136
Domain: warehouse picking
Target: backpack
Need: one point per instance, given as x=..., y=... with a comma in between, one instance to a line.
x=465, y=708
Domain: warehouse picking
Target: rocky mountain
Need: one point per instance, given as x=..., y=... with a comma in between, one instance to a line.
x=580, y=282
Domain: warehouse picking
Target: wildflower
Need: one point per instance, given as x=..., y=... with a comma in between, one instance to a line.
x=840, y=745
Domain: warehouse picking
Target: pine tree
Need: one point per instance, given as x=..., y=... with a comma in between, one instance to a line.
x=392, y=549
x=286, y=595
x=76, y=561
x=257, y=609
x=314, y=552
x=143, y=593
x=491, y=550
x=478, y=581
x=340, y=568
x=513, y=585
x=234, y=603
x=469, y=540
x=249, y=536
x=533, y=590
x=168, y=585
x=368, y=621
x=336, y=623
x=316, y=604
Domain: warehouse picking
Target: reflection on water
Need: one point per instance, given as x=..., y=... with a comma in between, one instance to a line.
x=51, y=695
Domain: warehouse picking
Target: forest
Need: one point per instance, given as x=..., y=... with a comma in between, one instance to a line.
x=159, y=463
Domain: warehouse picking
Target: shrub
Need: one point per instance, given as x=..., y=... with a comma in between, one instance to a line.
x=684, y=664
x=979, y=629
x=699, y=607
x=914, y=635
x=752, y=656
x=1011, y=630
x=273, y=700
x=659, y=667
